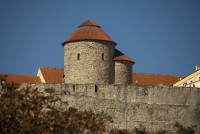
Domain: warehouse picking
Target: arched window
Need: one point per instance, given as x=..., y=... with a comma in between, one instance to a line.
x=78, y=56
x=102, y=56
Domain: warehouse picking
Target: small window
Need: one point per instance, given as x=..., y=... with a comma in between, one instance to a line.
x=78, y=56
x=102, y=56
x=73, y=88
x=96, y=89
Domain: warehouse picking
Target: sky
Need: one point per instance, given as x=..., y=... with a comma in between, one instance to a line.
x=161, y=36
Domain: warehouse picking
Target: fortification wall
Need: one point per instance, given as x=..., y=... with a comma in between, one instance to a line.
x=130, y=106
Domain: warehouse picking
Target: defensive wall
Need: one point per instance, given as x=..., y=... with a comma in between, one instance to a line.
x=153, y=107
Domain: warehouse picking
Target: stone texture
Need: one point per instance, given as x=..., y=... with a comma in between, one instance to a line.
x=130, y=106
x=123, y=72
x=95, y=63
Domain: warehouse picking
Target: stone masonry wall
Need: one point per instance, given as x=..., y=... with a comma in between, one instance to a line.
x=130, y=106
x=89, y=62
x=123, y=72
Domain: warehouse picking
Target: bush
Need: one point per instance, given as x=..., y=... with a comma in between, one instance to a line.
x=26, y=111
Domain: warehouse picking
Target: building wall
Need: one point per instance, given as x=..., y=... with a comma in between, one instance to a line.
x=39, y=73
x=130, y=106
x=123, y=72
x=89, y=62
x=192, y=80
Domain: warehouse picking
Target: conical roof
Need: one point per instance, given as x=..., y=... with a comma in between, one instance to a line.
x=119, y=56
x=88, y=30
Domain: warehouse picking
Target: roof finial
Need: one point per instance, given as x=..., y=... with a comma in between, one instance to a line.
x=89, y=22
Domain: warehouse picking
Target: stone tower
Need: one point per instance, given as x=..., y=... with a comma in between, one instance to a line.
x=88, y=55
x=123, y=68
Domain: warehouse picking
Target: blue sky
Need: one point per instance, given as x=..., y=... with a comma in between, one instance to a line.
x=161, y=36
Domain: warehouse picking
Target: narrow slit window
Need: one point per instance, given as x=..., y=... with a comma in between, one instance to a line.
x=73, y=88
x=102, y=56
x=78, y=56
x=96, y=89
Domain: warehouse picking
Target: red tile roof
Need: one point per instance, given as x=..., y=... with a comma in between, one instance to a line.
x=154, y=79
x=52, y=75
x=12, y=78
x=119, y=56
x=88, y=30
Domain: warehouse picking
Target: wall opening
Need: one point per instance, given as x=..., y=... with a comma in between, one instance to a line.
x=102, y=56
x=74, y=88
x=96, y=89
x=78, y=56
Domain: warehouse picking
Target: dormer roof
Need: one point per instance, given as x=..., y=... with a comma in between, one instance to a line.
x=88, y=30
x=119, y=56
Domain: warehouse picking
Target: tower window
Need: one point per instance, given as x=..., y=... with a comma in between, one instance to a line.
x=96, y=88
x=102, y=56
x=78, y=56
x=73, y=88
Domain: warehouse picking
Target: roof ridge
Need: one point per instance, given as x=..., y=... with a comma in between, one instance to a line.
x=21, y=75
x=51, y=68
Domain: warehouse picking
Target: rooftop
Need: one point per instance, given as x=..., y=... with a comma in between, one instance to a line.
x=88, y=30
x=52, y=75
x=18, y=79
x=154, y=79
x=119, y=56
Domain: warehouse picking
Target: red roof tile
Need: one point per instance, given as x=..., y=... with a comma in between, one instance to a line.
x=119, y=56
x=52, y=75
x=154, y=79
x=88, y=30
x=19, y=79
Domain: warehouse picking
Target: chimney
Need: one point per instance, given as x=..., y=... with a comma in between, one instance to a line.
x=197, y=67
